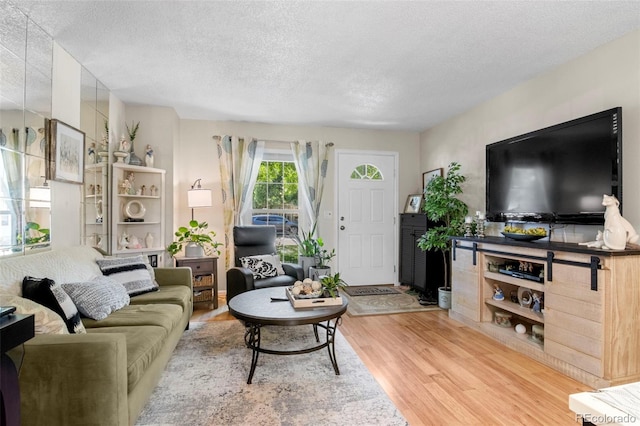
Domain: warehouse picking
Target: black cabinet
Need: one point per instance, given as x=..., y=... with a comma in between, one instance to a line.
x=422, y=270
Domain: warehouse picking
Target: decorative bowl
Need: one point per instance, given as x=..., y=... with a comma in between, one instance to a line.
x=522, y=237
x=313, y=295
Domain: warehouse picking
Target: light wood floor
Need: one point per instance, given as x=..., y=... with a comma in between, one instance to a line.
x=438, y=371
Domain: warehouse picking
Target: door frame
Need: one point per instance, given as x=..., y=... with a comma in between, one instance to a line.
x=396, y=188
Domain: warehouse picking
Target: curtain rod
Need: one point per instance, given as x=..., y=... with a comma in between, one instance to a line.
x=328, y=144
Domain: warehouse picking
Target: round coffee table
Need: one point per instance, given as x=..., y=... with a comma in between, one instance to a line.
x=270, y=306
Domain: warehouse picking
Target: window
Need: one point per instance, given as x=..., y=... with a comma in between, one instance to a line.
x=366, y=172
x=275, y=202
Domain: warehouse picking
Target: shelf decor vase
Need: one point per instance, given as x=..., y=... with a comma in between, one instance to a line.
x=148, y=240
x=120, y=155
x=193, y=250
x=134, y=160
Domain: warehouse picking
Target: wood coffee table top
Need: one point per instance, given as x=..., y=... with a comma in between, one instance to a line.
x=256, y=307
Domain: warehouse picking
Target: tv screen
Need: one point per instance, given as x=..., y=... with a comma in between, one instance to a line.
x=557, y=174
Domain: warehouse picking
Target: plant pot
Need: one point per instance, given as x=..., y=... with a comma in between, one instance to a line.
x=315, y=272
x=444, y=297
x=193, y=250
x=306, y=262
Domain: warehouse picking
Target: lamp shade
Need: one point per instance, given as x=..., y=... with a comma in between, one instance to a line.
x=199, y=198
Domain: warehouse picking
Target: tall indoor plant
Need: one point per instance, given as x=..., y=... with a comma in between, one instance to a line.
x=443, y=207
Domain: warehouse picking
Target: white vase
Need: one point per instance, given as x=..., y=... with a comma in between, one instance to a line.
x=444, y=297
x=315, y=272
x=148, y=240
x=193, y=250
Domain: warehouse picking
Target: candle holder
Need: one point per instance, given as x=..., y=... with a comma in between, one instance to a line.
x=480, y=227
x=468, y=229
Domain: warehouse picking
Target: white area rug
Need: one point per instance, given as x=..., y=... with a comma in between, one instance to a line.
x=205, y=383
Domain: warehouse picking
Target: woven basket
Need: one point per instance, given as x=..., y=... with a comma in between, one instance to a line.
x=202, y=296
x=202, y=281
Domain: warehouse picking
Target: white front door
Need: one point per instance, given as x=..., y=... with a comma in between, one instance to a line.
x=367, y=210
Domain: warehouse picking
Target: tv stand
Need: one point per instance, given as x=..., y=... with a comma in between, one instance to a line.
x=591, y=303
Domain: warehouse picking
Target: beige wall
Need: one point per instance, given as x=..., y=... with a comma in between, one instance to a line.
x=605, y=78
x=65, y=197
x=195, y=156
x=160, y=128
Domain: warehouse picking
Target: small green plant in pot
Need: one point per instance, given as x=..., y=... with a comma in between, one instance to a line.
x=331, y=284
x=196, y=240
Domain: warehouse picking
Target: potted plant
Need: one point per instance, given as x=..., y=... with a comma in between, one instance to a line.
x=309, y=249
x=331, y=284
x=442, y=207
x=196, y=239
x=322, y=259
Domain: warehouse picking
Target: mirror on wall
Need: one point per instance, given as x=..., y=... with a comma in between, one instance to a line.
x=94, y=121
x=26, y=62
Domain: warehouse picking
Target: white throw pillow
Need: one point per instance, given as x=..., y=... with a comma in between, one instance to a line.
x=98, y=298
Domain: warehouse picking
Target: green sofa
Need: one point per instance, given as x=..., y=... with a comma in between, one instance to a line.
x=106, y=376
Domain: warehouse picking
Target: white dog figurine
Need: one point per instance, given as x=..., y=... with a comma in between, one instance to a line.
x=617, y=230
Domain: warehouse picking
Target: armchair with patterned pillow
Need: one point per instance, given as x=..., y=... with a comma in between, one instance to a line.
x=257, y=262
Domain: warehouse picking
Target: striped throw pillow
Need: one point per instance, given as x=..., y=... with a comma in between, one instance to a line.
x=132, y=272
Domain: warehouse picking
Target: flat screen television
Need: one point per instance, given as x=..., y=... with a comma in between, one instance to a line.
x=557, y=174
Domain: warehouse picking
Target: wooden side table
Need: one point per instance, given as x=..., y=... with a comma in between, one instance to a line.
x=15, y=329
x=205, y=278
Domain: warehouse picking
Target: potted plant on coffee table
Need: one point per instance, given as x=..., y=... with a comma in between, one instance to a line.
x=443, y=207
x=331, y=284
x=196, y=240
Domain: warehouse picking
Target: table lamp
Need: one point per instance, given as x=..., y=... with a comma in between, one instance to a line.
x=198, y=197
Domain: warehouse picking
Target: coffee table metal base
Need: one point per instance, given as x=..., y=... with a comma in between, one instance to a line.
x=252, y=340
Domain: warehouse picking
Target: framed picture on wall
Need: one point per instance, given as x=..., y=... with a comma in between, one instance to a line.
x=427, y=176
x=65, y=155
x=413, y=204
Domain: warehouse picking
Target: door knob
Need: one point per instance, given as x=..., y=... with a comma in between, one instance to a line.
x=342, y=228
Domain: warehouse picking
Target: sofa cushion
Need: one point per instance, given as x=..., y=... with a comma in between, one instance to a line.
x=144, y=343
x=50, y=294
x=62, y=265
x=46, y=321
x=166, y=316
x=97, y=298
x=279, y=281
x=132, y=272
x=171, y=294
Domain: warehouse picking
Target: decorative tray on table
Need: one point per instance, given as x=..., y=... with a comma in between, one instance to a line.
x=522, y=237
x=312, y=302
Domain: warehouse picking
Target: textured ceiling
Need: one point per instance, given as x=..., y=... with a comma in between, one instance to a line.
x=379, y=65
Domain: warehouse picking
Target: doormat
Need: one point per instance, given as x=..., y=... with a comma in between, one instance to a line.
x=405, y=301
x=369, y=290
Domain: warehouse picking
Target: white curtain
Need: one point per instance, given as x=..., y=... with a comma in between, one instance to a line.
x=311, y=160
x=240, y=160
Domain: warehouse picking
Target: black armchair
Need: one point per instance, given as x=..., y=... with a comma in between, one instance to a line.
x=251, y=241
